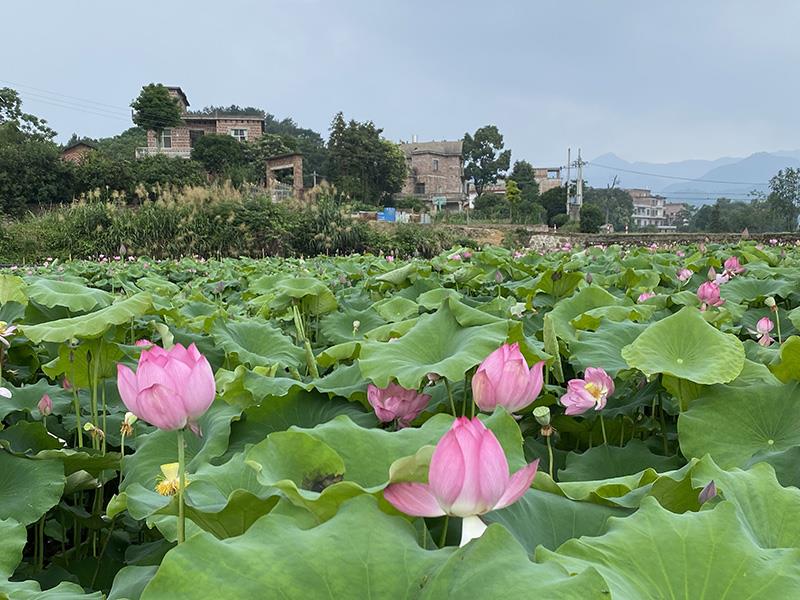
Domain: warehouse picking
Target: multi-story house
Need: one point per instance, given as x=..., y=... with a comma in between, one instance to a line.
x=648, y=208
x=547, y=178
x=435, y=172
x=179, y=141
x=675, y=214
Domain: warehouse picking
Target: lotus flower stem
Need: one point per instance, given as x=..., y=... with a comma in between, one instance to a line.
x=301, y=333
x=181, y=486
x=443, y=537
x=550, y=457
x=603, y=429
x=450, y=396
x=778, y=323
x=76, y=403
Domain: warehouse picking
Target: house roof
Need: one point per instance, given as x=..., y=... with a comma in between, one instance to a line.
x=179, y=91
x=443, y=148
x=90, y=145
x=217, y=116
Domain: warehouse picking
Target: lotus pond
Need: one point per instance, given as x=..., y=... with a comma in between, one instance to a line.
x=350, y=426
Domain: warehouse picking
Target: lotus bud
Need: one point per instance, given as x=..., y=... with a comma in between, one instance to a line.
x=708, y=493
x=45, y=405
x=504, y=379
x=498, y=277
x=396, y=403
x=589, y=278
x=356, y=326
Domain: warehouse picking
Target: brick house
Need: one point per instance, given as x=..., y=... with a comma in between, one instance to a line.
x=179, y=141
x=435, y=170
x=547, y=178
x=77, y=151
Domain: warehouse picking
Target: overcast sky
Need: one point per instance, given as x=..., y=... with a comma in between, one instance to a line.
x=649, y=81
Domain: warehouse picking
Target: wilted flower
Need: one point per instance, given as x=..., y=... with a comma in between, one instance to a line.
x=645, y=296
x=684, y=274
x=504, y=379
x=396, y=403
x=763, y=327
x=732, y=267
x=590, y=392
x=718, y=278
x=126, y=428
x=468, y=476
x=542, y=415
x=45, y=405
x=170, y=389
x=708, y=294
x=169, y=483
x=6, y=331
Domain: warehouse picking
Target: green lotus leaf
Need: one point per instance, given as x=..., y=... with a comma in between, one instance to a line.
x=396, y=308
x=605, y=462
x=789, y=366
x=91, y=325
x=12, y=289
x=684, y=345
x=257, y=343
x=541, y=518
x=73, y=296
x=745, y=289
x=734, y=423
x=356, y=555
x=130, y=581
x=681, y=546
x=14, y=538
x=603, y=347
x=39, y=483
x=437, y=343
x=588, y=298
x=339, y=327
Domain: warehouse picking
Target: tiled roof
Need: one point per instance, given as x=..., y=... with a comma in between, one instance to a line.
x=442, y=148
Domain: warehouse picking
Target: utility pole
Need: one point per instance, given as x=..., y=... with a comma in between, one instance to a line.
x=315, y=178
x=574, y=205
x=569, y=160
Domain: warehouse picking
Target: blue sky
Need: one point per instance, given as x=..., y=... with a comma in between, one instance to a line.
x=649, y=81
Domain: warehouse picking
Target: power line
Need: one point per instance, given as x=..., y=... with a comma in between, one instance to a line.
x=83, y=110
x=593, y=164
x=68, y=103
x=51, y=93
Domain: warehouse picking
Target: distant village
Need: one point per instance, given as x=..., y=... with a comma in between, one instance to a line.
x=435, y=169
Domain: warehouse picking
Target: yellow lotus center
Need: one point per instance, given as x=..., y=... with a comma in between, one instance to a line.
x=595, y=390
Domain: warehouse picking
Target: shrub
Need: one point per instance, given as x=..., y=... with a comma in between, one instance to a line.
x=591, y=218
x=560, y=220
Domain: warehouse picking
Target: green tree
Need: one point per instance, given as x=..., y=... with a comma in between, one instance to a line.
x=490, y=206
x=156, y=109
x=484, y=157
x=784, y=197
x=524, y=174
x=32, y=172
x=554, y=202
x=219, y=153
x=13, y=118
x=615, y=205
x=98, y=171
x=123, y=146
x=363, y=165
x=514, y=198
x=592, y=218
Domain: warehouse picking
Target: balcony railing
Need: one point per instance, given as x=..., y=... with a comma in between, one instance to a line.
x=143, y=151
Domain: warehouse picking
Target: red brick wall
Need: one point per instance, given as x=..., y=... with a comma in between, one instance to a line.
x=181, y=139
x=75, y=154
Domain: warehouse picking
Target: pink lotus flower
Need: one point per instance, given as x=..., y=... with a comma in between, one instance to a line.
x=468, y=476
x=590, y=392
x=763, y=327
x=170, y=389
x=503, y=379
x=45, y=405
x=732, y=267
x=645, y=296
x=680, y=254
x=396, y=403
x=684, y=274
x=466, y=255
x=708, y=294
x=389, y=258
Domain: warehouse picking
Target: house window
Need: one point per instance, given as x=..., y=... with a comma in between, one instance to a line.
x=239, y=134
x=553, y=174
x=419, y=188
x=435, y=164
x=194, y=135
x=166, y=138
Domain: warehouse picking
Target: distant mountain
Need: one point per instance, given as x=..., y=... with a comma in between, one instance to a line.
x=730, y=177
